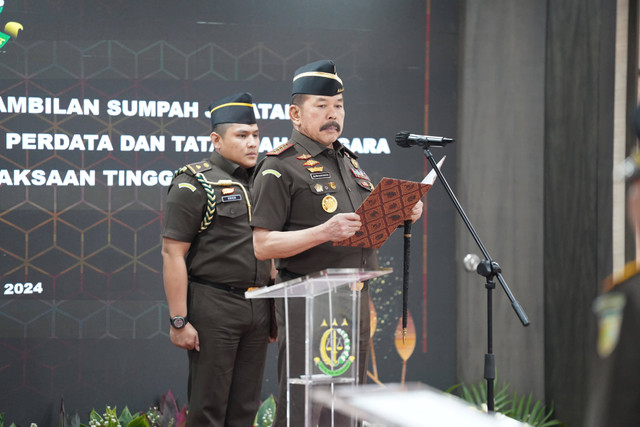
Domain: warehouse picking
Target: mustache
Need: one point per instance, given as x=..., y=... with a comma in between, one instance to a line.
x=332, y=123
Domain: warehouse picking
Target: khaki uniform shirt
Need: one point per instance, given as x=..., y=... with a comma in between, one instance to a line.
x=223, y=253
x=297, y=186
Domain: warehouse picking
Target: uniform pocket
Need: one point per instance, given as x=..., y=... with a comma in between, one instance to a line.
x=231, y=205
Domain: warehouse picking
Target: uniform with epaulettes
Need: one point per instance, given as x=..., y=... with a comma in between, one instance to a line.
x=209, y=206
x=302, y=184
x=299, y=185
x=213, y=212
x=615, y=383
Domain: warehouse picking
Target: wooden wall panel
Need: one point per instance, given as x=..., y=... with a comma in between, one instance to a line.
x=577, y=189
x=535, y=161
x=501, y=181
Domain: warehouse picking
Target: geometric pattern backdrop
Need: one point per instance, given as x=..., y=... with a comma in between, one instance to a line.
x=95, y=329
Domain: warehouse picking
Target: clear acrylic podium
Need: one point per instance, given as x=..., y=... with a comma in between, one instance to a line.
x=332, y=329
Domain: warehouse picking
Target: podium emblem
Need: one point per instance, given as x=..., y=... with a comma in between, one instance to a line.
x=335, y=351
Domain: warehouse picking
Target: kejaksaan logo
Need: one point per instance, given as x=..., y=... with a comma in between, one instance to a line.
x=11, y=29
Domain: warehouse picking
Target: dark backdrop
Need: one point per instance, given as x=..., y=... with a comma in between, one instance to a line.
x=82, y=309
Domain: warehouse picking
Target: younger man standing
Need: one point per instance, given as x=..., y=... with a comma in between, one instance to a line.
x=209, y=263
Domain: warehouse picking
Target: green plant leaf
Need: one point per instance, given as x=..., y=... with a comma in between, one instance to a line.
x=139, y=421
x=477, y=395
x=518, y=410
x=521, y=408
x=502, y=398
x=75, y=421
x=94, y=416
x=266, y=413
x=450, y=390
x=536, y=414
x=125, y=417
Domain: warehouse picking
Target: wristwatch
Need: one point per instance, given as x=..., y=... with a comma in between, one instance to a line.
x=178, y=322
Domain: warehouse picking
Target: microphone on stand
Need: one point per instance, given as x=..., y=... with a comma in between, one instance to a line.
x=406, y=139
x=471, y=262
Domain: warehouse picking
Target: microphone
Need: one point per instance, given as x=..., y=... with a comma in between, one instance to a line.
x=406, y=139
x=471, y=262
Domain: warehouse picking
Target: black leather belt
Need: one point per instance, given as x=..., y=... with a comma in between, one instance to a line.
x=221, y=286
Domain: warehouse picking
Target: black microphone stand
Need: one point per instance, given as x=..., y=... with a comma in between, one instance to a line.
x=489, y=269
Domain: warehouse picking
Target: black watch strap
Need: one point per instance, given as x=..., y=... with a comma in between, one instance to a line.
x=179, y=322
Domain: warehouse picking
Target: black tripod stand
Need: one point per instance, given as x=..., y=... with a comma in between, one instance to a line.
x=490, y=270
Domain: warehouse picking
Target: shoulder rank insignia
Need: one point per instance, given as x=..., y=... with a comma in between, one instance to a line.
x=350, y=154
x=280, y=149
x=195, y=169
x=303, y=156
x=199, y=167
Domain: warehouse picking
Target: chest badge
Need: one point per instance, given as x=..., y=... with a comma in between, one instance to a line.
x=303, y=156
x=226, y=191
x=354, y=162
x=310, y=162
x=359, y=173
x=316, y=169
x=329, y=203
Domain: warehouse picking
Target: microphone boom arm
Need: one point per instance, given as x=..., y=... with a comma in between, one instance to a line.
x=514, y=303
x=489, y=269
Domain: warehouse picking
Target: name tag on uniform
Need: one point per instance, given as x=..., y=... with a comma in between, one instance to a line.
x=232, y=198
x=320, y=175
